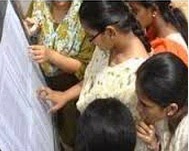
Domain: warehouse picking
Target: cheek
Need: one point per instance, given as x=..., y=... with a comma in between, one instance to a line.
x=102, y=43
x=142, y=111
x=153, y=115
x=145, y=19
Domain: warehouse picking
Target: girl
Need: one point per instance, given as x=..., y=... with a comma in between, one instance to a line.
x=162, y=89
x=165, y=25
x=121, y=49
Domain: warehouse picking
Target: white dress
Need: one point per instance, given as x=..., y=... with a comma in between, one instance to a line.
x=103, y=81
x=179, y=141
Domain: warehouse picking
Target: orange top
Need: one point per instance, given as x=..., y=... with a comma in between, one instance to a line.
x=166, y=45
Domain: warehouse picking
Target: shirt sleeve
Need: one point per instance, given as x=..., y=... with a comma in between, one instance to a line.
x=84, y=56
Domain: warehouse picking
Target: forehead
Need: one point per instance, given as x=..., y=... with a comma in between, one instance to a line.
x=142, y=96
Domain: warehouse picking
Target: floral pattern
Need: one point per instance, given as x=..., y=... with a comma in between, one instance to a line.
x=68, y=38
x=102, y=81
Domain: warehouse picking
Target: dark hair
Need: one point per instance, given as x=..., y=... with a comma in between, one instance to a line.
x=106, y=125
x=99, y=14
x=170, y=14
x=164, y=79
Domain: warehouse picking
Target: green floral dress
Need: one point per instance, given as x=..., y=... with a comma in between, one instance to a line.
x=68, y=38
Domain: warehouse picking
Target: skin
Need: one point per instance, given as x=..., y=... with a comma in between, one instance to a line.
x=41, y=54
x=122, y=47
x=151, y=19
x=143, y=15
x=151, y=113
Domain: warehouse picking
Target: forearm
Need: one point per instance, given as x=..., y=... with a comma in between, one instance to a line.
x=66, y=64
x=73, y=92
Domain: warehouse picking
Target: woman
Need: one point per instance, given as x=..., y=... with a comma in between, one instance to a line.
x=121, y=50
x=65, y=47
x=162, y=89
x=63, y=52
x=165, y=25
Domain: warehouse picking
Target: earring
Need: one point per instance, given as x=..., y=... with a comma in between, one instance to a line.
x=154, y=15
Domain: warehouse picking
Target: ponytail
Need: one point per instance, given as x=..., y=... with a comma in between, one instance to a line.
x=170, y=14
x=182, y=23
x=137, y=30
x=176, y=17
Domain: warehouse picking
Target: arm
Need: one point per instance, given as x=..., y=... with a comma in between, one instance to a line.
x=72, y=64
x=41, y=54
x=60, y=99
x=66, y=64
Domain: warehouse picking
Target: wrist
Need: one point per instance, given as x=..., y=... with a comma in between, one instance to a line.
x=154, y=146
x=50, y=54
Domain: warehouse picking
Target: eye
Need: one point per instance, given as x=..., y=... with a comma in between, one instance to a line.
x=134, y=10
x=142, y=103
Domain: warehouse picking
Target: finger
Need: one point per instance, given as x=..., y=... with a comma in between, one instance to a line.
x=152, y=127
x=35, y=51
x=40, y=61
x=141, y=130
x=55, y=108
x=143, y=137
x=152, y=130
x=37, y=58
x=30, y=21
x=34, y=47
x=43, y=92
x=144, y=126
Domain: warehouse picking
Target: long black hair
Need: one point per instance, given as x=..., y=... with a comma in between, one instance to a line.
x=164, y=79
x=170, y=14
x=99, y=14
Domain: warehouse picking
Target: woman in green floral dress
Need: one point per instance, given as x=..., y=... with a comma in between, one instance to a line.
x=63, y=52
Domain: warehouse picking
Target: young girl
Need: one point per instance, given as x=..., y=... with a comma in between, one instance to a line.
x=162, y=89
x=166, y=26
x=121, y=50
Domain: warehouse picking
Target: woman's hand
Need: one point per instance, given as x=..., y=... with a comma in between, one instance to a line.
x=31, y=26
x=39, y=53
x=148, y=135
x=56, y=97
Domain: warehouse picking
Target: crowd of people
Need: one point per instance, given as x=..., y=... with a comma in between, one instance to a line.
x=117, y=72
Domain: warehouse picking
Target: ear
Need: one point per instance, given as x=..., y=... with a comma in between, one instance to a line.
x=153, y=11
x=110, y=31
x=172, y=109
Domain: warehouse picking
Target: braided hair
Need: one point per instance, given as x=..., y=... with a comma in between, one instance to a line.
x=111, y=12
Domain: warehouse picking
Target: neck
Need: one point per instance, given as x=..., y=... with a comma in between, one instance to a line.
x=127, y=46
x=164, y=29
x=59, y=12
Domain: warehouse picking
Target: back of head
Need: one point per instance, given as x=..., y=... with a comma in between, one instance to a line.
x=106, y=125
x=97, y=15
x=170, y=14
x=164, y=79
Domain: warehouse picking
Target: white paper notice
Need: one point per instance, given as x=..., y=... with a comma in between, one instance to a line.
x=25, y=124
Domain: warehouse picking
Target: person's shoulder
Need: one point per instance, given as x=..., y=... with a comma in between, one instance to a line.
x=182, y=129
